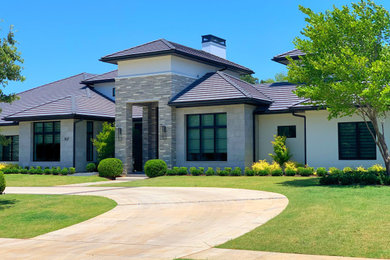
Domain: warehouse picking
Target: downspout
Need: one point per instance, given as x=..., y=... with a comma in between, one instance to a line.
x=74, y=141
x=304, y=134
x=254, y=135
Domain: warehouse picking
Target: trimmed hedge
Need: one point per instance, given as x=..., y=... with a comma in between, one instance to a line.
x=155, y=168
x=40, y=171
x=91, y=167
x=2, y=182
x=110, y=168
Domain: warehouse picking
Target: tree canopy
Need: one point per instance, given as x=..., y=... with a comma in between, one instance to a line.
x=347, y=63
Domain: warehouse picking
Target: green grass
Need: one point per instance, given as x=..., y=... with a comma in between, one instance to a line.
x=321, y=220
x=26, y=216
x=27, y=180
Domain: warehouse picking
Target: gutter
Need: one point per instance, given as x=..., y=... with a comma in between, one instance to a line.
x=254, y=135
x=304, y=131
x=74, y=141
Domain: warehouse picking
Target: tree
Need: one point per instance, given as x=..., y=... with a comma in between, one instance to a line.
x=282, y=153
x=10, y=69
x=279, y=77
x=105, y=142
x=347, y=66
x=250, y=79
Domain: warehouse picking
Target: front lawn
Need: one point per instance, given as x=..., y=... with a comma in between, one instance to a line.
x=28, y=180
x=321, y=220
x=26, y=216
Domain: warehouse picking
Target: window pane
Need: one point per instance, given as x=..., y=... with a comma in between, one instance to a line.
x=48, y=127
x=57, y=126
x=287, y=131
x=193, y=134
x=89, y=127
x=38, y=139
x=38, y=127
x=221, y=119
x=208, y=140
x=348, y=141
x=15, y=148
x=367, y=147
x=193, y=120
x=48, y=139
x=207, y=120
x=221, y=141
x=57, y=138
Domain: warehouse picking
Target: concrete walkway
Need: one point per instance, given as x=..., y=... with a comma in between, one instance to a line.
x=149, y=223
x=117, y=180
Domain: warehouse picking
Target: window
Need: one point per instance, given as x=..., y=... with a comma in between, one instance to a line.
x=289, y=131
x=356, y=142
x=10, y=152
x=89, y=141
x=206, y=137
x=47, y=141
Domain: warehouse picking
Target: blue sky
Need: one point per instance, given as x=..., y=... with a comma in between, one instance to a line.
x=62, y=38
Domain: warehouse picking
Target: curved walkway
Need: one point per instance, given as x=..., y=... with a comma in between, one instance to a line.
x=149, y=223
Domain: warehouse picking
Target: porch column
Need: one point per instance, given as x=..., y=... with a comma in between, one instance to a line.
x=124, y=136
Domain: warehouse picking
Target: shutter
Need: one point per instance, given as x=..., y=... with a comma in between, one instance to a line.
x=348, y=141
x=367, y=147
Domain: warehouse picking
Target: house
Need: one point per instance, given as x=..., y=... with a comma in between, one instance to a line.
x=183, y=105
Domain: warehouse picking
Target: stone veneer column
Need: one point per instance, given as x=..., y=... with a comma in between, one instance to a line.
x=124, y=141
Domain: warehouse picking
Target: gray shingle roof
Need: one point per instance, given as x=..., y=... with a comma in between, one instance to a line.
x=282, y=58
x=163, y=46
x=105, y=77
x=219, y=87
x=282, y=95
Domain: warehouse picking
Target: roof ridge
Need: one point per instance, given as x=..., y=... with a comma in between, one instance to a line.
x=133, y=47
x=97, y=75
x=224, y=76
x=42, y=104
x=168, y=43
x=53, y=82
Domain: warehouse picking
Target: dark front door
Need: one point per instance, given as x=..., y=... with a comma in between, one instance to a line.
x=137, y=146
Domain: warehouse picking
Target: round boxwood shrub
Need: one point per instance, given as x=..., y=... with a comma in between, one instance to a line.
x=91, y=167
x=64, y=171
x=2, y=182
x=155, y=168
x=110, y=168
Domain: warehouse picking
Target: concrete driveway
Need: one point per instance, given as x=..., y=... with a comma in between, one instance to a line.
x=149, y=223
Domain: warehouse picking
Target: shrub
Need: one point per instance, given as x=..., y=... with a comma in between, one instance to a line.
x=281, y=152
x=183, y=171
x=39, y=171
x=91, y=167
x=154, y=168
x=47, y=171
x=249, y=172
x=305, y=171
x=201, y=170
x=361, y=169
x=275, y=169
x=170, y=172
x=347, y=170
x=23, y=171
x=223, y=172
x=39, y=168
x=4, y=166
x=329, y=179
x=321, y=171
x=228, y=170
x=236, y=172
x=334, y=170
x=217, y=170
x=261, y=168
x=112, y=167
x=290, y=172
x=194, y=171
x=210, y=171
x=105, y=142
x=32, y=170
x=2, y=182
x=72, y=170
x=64, y=171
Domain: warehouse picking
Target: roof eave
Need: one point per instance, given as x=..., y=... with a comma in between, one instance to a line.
x=58, y=117
x=114, y=60
x=91, y=82
x=219, y=102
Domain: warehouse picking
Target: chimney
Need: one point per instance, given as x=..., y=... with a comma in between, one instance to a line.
x=214, y=45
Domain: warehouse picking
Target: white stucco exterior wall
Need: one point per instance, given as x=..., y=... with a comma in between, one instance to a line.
x=267, y=127
x=239, y=135
x=166, y=64
x=322, y=141
x=105, y=89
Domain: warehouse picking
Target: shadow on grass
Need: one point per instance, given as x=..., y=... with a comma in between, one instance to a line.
x=302, y=182
x=5, y=204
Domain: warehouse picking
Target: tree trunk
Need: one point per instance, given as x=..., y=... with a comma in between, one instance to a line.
x=379, y=139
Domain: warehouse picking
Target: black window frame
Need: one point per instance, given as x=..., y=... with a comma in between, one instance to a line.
x=292, y=131
x=10, y=149
x=89, y=148
x=44, y=132
x=202, y=156
x=358, y=143
x=113, y=92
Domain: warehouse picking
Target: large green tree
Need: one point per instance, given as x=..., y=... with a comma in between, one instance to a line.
x=10, y=69
x=347, y=64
